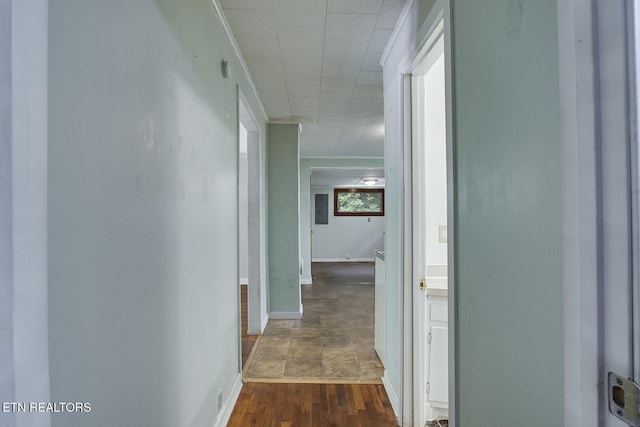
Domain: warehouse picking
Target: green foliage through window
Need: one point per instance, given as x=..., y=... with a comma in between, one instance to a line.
x=359, y=202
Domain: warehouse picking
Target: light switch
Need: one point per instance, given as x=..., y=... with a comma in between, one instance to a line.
x=442, y=233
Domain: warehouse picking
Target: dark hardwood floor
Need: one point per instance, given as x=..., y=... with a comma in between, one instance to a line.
x=248, y=341
x=318, y=405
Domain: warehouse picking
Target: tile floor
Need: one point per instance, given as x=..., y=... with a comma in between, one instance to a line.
x=333, y=342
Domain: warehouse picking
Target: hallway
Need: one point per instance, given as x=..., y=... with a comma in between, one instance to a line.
x=333, y=342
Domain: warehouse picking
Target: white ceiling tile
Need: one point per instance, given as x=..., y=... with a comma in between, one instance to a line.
x=307, y=58
x=304, y=101
x=259, y=47
x=338, y=107
x=354, y=6
x=333, y=68
x=265, y=66
x=388, y=17
x=357, y=121
x=278, y=109
x=310, y=77
x=272, y=94
x=330, y=119
x=372, y=62
x=350, y=26
x=345, y=50
x=246, y=4
x=304, y=115
x=379, y=40
x=270, y=82
x=336, y=96
x=303, y=90
x=300, y=13
x=337, y=84
x=367, y=92
x=310, y=128
x=394, y=3
x=300, y=38
x=251, y=23
x=353, y=113
x=370, y=78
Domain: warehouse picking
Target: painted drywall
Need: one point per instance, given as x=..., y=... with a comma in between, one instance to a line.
x=435, y=162
x=345, y=237
x=508, y=218
x=285, y=299
x=306, y=213
x=143, y=217
x=508, y=157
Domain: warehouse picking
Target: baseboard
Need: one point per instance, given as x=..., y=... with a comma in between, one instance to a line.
x=265, y=320
x=393, y=396
x=244, y=280
x=343, y=260
x=227, y=407
x=284, y=315
x=306, y=281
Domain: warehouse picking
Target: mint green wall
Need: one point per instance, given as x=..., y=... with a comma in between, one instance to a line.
x=142, y=177
x=508, y=220
x=509, y=271
x=283, y=218
x=306, y=164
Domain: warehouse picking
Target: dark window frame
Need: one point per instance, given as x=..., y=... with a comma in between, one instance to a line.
x=336, y=191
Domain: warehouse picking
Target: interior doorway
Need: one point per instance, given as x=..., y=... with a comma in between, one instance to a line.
x=428, y=111
x=252, y=266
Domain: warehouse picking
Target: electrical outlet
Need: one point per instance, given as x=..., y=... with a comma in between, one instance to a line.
x=219, y=400
x=442, y=233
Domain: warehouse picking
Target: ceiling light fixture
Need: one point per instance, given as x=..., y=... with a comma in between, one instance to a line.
x=369, y=181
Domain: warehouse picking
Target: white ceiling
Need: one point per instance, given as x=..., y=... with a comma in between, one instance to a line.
x=346, y=177
x=317, y=62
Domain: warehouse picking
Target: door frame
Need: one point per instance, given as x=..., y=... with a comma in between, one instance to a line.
x=594, y=39
x=257, y=288
x=414, y=357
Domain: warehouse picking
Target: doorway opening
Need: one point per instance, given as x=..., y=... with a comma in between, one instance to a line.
x=252, y=266
x=428, y=112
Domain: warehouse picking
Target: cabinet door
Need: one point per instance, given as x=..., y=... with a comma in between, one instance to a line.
x=439, y=367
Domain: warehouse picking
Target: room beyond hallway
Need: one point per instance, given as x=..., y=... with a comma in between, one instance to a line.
x=333, y=342
x=318, y=405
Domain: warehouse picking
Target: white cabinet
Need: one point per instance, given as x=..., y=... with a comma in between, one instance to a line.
x=438, y=354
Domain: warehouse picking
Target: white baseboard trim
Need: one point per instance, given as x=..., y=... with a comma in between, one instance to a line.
x=393, y=396
x=284, y=315
x=265, y=320
x=227, y=407
x=306, y=281
x=244, y=280
x=343, y=260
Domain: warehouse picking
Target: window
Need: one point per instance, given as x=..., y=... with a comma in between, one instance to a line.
x=358, y=202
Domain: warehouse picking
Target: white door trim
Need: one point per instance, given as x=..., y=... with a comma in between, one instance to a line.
x=413, y=390
x=592, y=98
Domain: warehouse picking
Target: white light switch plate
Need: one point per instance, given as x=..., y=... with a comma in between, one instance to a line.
x=442, y=233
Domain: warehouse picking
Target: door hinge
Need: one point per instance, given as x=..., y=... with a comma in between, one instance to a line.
x=428, y=387
x=429, y=337
x=623, y=399
x=423, y=284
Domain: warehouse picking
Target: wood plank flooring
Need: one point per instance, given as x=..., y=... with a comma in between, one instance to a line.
x=317, y=405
